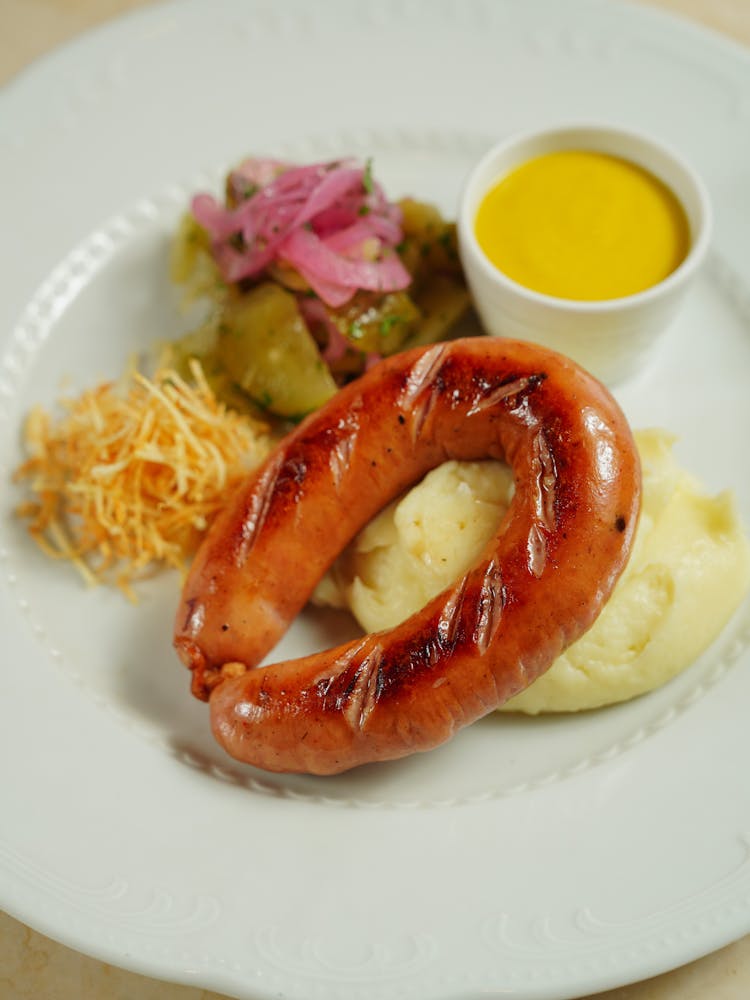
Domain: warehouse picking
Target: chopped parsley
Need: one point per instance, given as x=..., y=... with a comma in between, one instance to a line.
x=387, y=322
x=367, y=183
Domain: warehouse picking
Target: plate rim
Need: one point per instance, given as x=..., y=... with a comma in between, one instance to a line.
x=91, y=39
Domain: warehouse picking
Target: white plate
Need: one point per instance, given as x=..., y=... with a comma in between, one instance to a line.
x=541, y=858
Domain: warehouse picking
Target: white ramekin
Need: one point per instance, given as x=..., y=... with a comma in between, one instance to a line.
x=612, y=338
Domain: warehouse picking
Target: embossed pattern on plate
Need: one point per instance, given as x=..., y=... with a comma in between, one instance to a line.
x=255, y=885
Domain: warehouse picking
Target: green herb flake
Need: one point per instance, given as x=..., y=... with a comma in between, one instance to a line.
x=446, y=242
x=387, y=322
x=356, y=332
x=367, y=183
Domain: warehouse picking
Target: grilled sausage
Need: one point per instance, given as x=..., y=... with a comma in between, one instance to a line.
x=539, y=585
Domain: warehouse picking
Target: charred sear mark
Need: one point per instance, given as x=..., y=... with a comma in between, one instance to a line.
x=489, y=607
x=544, y=471
x=363, y=696
x=422, y=375
x=340, y=455
x=512, y=389
x=536, y=550
x=449, y=621
x=353, y=684
x=424, y=408
x=620, y=524
x=195, y=616
x=468, y=622
x=329, y=685
x=544, y=486
x=473, y=608
x=423, y=388
x=258, y=507
x=428, y=654
x=292, y=475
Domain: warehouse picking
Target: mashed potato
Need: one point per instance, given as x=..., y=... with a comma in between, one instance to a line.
x=689, y=570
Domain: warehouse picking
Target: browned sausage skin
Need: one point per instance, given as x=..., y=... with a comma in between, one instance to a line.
x=538, y=586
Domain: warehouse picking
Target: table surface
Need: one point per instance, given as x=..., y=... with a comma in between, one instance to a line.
x=32, y=966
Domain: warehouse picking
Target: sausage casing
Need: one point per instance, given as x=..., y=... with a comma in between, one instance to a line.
x=540, y=583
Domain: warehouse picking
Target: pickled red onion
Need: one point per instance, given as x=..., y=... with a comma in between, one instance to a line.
x=312, y=256
x=316, y=314
x=330, y=221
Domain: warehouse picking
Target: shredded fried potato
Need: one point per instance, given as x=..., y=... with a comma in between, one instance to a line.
x=131, y=476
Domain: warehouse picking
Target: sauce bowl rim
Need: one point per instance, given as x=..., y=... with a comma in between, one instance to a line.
x=555, y=136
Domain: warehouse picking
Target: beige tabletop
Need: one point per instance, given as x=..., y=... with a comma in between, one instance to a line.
x=33, y=967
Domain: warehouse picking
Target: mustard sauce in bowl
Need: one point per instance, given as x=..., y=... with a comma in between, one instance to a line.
x=584, y=238
x=584, y=225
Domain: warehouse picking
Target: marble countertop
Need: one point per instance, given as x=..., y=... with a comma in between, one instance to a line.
x=32, y=966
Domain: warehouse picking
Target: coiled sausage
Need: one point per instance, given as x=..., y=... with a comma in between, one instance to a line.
x=538, y=586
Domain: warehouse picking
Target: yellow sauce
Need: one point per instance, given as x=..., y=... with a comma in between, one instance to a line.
x=583, y=225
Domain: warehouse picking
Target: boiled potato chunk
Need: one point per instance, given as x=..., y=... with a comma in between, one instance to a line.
x=376, y=322
x=266, y=349
x=430, y=243
x=192, y=266
x=442, y=300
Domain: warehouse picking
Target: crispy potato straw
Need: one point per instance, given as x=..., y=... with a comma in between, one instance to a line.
x=130, y=477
